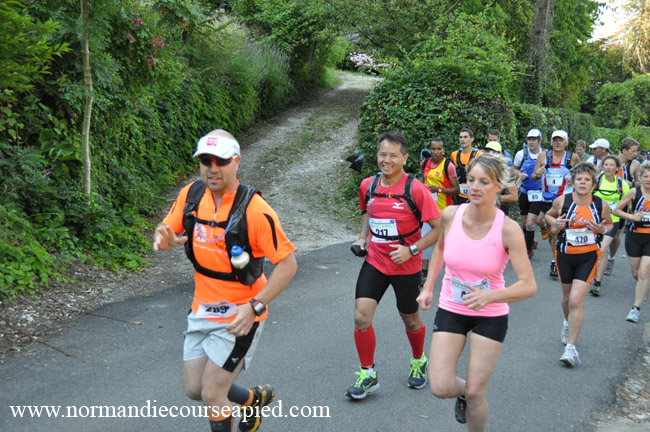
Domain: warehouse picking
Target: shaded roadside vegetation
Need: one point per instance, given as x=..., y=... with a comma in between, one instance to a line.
x=165, y=72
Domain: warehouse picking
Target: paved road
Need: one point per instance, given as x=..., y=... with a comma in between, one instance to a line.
x=307, y=352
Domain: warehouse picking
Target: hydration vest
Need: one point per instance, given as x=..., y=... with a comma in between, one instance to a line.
x=460, y=167
x=236, y=233
x=528, y=167
x=406, y=196
x=569, y=209
x=564, y=168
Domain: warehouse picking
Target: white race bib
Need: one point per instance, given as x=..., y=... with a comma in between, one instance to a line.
x=612, y=205
x=214, y=310
x=535, y=196
x=463, y=189
x=383, y=227
x=645, y=217
x=459, y=288
x=435, y=196
x=554, y=179
x=580, y=237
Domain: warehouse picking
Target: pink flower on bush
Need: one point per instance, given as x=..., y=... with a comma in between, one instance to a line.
x=366, y=63
x=129, y=38
x=151, y=62
x=138, y=20
x=157, y=42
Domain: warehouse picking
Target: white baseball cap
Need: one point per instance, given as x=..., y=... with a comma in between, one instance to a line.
x=534, y=133
x=217, y=145
x=562, y=134
x=600, y=142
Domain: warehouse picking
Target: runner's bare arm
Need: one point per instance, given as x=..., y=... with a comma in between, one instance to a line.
x=362, y=241
x=435, y=263
x=622, y=204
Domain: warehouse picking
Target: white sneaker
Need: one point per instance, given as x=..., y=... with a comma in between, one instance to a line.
x=634, y=315
x=564, y=334
x=570, y=356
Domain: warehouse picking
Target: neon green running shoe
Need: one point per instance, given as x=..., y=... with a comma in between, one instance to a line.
x=418, y=373
x=365, y=384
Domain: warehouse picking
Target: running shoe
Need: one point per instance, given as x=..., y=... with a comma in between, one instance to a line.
x=418, y=373
x=530, y=254
x=564, y=334
x=553, y=272
x=634, y=315
x=570, y=356
x=543, y=232
x=460, y=408
x=534, y=244
x=595, y=288
x=365, y=384
x=610, y=267
x=251, y=415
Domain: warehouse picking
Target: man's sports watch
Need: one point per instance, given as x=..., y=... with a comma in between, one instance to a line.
x=258, y=307
x=414, y=249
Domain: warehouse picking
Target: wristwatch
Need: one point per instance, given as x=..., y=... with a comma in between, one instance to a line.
x=258, y=307
x=414, y=249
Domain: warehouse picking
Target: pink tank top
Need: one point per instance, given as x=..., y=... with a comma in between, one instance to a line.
x=478, y=263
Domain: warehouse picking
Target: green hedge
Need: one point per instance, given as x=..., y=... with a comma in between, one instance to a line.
x=160, y=84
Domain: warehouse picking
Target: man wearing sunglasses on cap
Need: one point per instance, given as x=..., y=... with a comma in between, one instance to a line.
x=219, y=215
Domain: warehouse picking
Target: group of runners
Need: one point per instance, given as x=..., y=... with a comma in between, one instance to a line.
x=410, y=229
x=580, y=207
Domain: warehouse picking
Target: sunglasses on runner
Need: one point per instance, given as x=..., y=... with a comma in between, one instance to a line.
x=207, y=161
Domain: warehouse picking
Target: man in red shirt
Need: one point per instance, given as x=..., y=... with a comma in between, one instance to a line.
x=394, y=206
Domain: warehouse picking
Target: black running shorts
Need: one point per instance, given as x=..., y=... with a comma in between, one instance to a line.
x=373, y=284
x=581, y=266
x=494, y=328
x=637, y=244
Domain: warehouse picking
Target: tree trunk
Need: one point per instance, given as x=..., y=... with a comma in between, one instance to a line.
x=85, y=146
x=537, y=66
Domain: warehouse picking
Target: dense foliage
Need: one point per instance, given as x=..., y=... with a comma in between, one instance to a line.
x=625, y=103
x=463, y=80
x=164, y=73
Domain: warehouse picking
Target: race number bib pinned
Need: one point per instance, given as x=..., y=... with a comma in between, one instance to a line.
x=554, y=179
x=435, y=196
x=214, y=310
x=645, y=217
x=580, y=237
x=383, y=228
x=459, y=288
x=535, y=196
x=463, y=189
x=612, y=205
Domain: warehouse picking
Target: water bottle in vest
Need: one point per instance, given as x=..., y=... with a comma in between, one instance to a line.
x=240, y=257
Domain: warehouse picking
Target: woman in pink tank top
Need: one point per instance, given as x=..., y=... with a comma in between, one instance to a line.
x=476, y=242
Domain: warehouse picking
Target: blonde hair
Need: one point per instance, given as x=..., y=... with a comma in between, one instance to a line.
x=644, y=168
x=495, y=167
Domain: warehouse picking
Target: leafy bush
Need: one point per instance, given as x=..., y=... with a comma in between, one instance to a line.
x=446, y=84
x=580, y=126
x=624, y=104
x=164, y=74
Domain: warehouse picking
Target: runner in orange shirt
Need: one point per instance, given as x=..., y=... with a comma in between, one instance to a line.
x=219, y=216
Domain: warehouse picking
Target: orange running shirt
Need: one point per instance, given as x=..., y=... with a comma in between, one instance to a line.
x=577, y=237
x=266, y=239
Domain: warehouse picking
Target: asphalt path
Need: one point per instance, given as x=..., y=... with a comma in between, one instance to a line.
x=128, y=354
